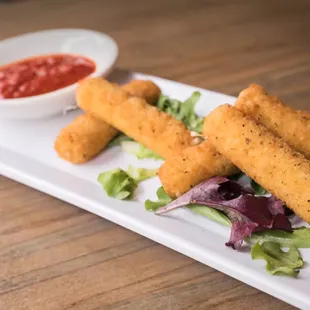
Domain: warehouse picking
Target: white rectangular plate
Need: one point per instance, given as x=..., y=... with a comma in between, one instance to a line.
x=27, y=156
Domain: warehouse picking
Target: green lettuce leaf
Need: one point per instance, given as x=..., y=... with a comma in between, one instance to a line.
x=170, y=106
x=138, y=150
x=258, y=190
x=141, y=174
x=120, y=184
x=300, y=237
x=118, y=139
x=211, y=213
x=183, y=111
x=191, y=120
x=278, y=262
x=117, y=183
x=163, y=199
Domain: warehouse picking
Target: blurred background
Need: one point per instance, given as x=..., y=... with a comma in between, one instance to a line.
x=221, y=45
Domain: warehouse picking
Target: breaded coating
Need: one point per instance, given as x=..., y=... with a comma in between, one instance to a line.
x=264, y=157
x=155, y=129
x=291, y=125
x=85, y=137
x=192, y=166
x=143, y=89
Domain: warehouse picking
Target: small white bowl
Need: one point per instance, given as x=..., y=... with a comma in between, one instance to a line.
x=96, y=46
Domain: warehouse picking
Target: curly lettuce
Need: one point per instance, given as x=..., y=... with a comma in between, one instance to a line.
x=183, y=111
x=278, y=262
x=121, y=184
x=162, y=200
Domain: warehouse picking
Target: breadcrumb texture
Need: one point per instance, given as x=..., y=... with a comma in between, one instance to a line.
x=264, y=157
x=291, y=125
x=143, y=89
x=155, y=129
x=85, y=137
x=192, y=166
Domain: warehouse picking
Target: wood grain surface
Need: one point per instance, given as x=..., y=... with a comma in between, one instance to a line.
x=56, y=256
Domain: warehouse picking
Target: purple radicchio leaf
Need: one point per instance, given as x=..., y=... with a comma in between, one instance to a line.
x=248, y=213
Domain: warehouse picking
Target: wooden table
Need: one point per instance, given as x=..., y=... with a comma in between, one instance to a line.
x=56, y=256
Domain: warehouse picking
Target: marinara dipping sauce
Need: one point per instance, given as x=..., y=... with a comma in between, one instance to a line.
x=40, y=75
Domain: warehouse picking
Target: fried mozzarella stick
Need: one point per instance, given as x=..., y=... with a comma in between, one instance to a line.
x=155, y=129
x=192, y=166
x=87, y=136
x=264, y=157
x=143, y=89
x=291, y=125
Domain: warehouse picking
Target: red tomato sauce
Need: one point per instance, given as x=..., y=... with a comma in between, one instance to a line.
x=40, y=75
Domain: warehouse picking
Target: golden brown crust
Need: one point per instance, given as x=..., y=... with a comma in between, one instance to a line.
x=267, y=159
x=155, y=129
x=85, y=137
x=192, y=166
x=143, y=89
x=291, y=125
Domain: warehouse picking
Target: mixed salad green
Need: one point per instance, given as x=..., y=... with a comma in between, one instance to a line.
x=121, y=184
x=266, y=244
x=183, y=111
x=279, y=262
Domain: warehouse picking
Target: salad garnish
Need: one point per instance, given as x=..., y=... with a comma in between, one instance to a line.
x=248, y=213
x=121, y=184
